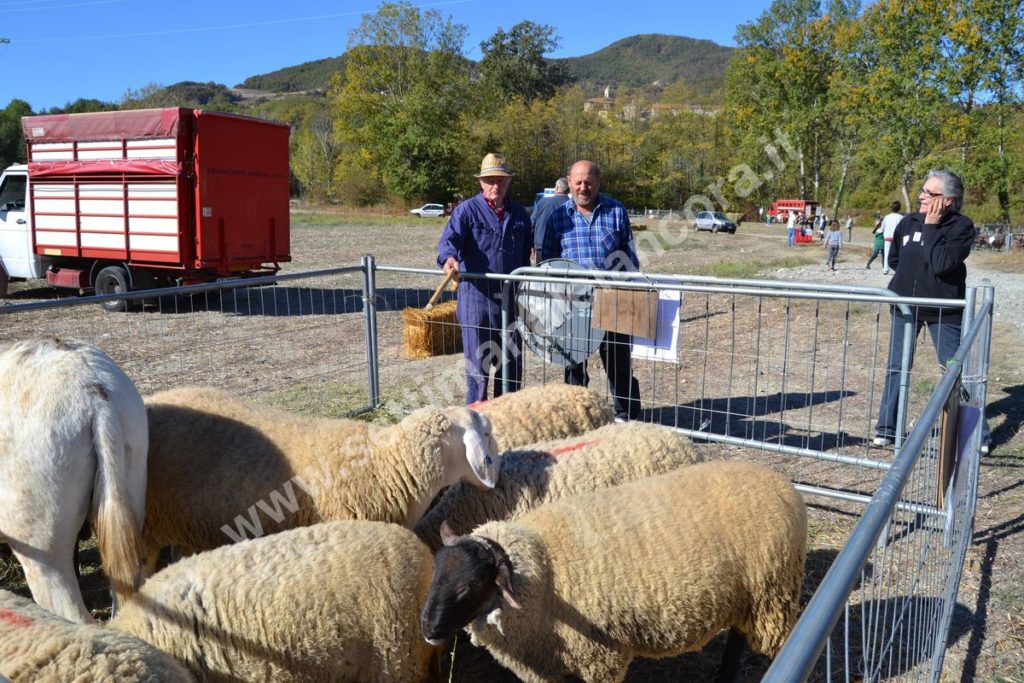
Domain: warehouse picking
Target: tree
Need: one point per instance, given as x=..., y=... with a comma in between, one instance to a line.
x=779, y=80
x=400, y=105
x=981, y=72
x=12, y=141
x=513, y=63
x=314, y=158
x=901, y=48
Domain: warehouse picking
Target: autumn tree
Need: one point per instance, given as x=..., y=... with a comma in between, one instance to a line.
x=314, y=157
x=779, y=80
x=12, y=141
x=399, y=105
x=513, y=63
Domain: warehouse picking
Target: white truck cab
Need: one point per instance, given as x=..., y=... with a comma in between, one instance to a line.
x=17, y=256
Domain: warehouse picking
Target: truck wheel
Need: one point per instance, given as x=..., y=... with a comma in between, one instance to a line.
x=113, y=280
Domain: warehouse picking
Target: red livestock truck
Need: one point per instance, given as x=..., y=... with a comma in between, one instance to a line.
x=128, y=200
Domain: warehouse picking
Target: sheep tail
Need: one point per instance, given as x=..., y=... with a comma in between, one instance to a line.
x=118, y=532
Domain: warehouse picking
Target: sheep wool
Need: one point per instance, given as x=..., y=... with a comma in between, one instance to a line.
x=336, y=601
x=652, y=568
x=541, y=413
x=222, y=470
x=38, y=646
x=545, y=472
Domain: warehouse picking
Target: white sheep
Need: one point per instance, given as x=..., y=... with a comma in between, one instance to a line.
x=337, y=601
x=74, y=439
x=38, y=646
x=222, y=469
x=652, y=568
x=544, y=412
x=552, y=470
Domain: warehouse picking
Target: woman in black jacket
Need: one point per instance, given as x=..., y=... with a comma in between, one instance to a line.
x=928, y=253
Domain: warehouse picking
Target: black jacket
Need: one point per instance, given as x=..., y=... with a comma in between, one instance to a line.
x=929, y=261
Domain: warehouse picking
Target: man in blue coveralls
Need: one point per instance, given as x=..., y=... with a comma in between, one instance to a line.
x=486, y=234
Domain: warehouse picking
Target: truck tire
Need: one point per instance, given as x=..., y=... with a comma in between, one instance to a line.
x=113, y=280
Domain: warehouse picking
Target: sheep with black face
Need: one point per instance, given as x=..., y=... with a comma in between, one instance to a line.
x=652, y=568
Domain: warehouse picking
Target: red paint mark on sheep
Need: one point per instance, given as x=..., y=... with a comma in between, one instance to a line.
x=562, y=450
x=13, y=618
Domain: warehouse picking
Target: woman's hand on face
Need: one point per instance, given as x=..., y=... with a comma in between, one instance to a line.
x=936, y=210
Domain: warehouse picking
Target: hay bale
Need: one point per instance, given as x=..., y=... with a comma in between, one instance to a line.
x=431, y=333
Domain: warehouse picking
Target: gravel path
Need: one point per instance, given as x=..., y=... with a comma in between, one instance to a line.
x=1009, y=301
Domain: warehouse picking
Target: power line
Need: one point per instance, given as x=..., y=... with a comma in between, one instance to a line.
x=65, y=6
x=194, y=29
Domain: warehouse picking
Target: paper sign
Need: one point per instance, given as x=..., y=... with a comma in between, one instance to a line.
x=665, y=346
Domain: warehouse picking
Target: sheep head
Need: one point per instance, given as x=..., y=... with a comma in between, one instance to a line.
x=471, y=573
x=469, y=450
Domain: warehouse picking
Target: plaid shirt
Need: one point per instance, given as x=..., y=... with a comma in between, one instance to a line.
x=604, y=242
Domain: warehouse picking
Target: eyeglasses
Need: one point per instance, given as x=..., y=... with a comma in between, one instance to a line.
x=933, y=195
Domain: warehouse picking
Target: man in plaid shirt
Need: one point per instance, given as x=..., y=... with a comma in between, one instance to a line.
x=593, y=230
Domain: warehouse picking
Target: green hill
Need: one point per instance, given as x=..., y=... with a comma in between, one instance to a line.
x=641, y=60
x=631, y=62
x=315, y=75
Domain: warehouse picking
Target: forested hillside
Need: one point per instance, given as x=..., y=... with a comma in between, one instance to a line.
x=642, y=60
x=315, y=75
x=846, y=104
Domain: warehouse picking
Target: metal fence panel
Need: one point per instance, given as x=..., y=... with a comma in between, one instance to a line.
x=788, y=374
x=294, y=341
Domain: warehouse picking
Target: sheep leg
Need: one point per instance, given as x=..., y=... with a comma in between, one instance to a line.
x=52, y=582
x=730, y=664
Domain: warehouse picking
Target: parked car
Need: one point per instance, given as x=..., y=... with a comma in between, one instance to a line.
x=431, y=210
x=713, y=221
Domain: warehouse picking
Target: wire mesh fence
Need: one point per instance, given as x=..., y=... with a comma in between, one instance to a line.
x=296, y=340
x=788, y=374
x=884, y=610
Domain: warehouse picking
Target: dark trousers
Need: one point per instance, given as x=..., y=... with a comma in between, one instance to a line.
x=615, y=351
x=945, y=338
x=874, y=254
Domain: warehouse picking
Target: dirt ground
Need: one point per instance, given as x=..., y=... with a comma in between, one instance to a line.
x=284, y=346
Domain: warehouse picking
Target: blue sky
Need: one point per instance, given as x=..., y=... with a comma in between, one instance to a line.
x=61, y=50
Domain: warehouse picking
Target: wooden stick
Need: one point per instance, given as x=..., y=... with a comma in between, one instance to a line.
x=440, y=288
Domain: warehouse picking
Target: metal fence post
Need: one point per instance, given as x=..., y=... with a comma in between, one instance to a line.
x=909, y=339
x=370, y=321
x=506, y=306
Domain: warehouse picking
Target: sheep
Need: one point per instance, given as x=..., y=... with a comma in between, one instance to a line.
x=549, y=471
x=221, y=469
x=652, y=568
x=38, y=646
x=336, y=601
x=541, y=413
x=74, y=441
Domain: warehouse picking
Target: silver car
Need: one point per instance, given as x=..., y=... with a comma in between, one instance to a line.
x=429, y=210
x=714, y=221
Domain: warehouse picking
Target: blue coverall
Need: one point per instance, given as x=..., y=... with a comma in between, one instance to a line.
x=481, y=244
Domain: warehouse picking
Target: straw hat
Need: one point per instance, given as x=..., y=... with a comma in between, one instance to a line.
x=494, y=165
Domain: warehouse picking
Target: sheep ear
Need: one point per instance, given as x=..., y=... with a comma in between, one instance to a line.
x=481, y=451
x=504, y=581
x=448, y=537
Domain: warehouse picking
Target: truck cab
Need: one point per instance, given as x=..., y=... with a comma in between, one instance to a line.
x=17, y=255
